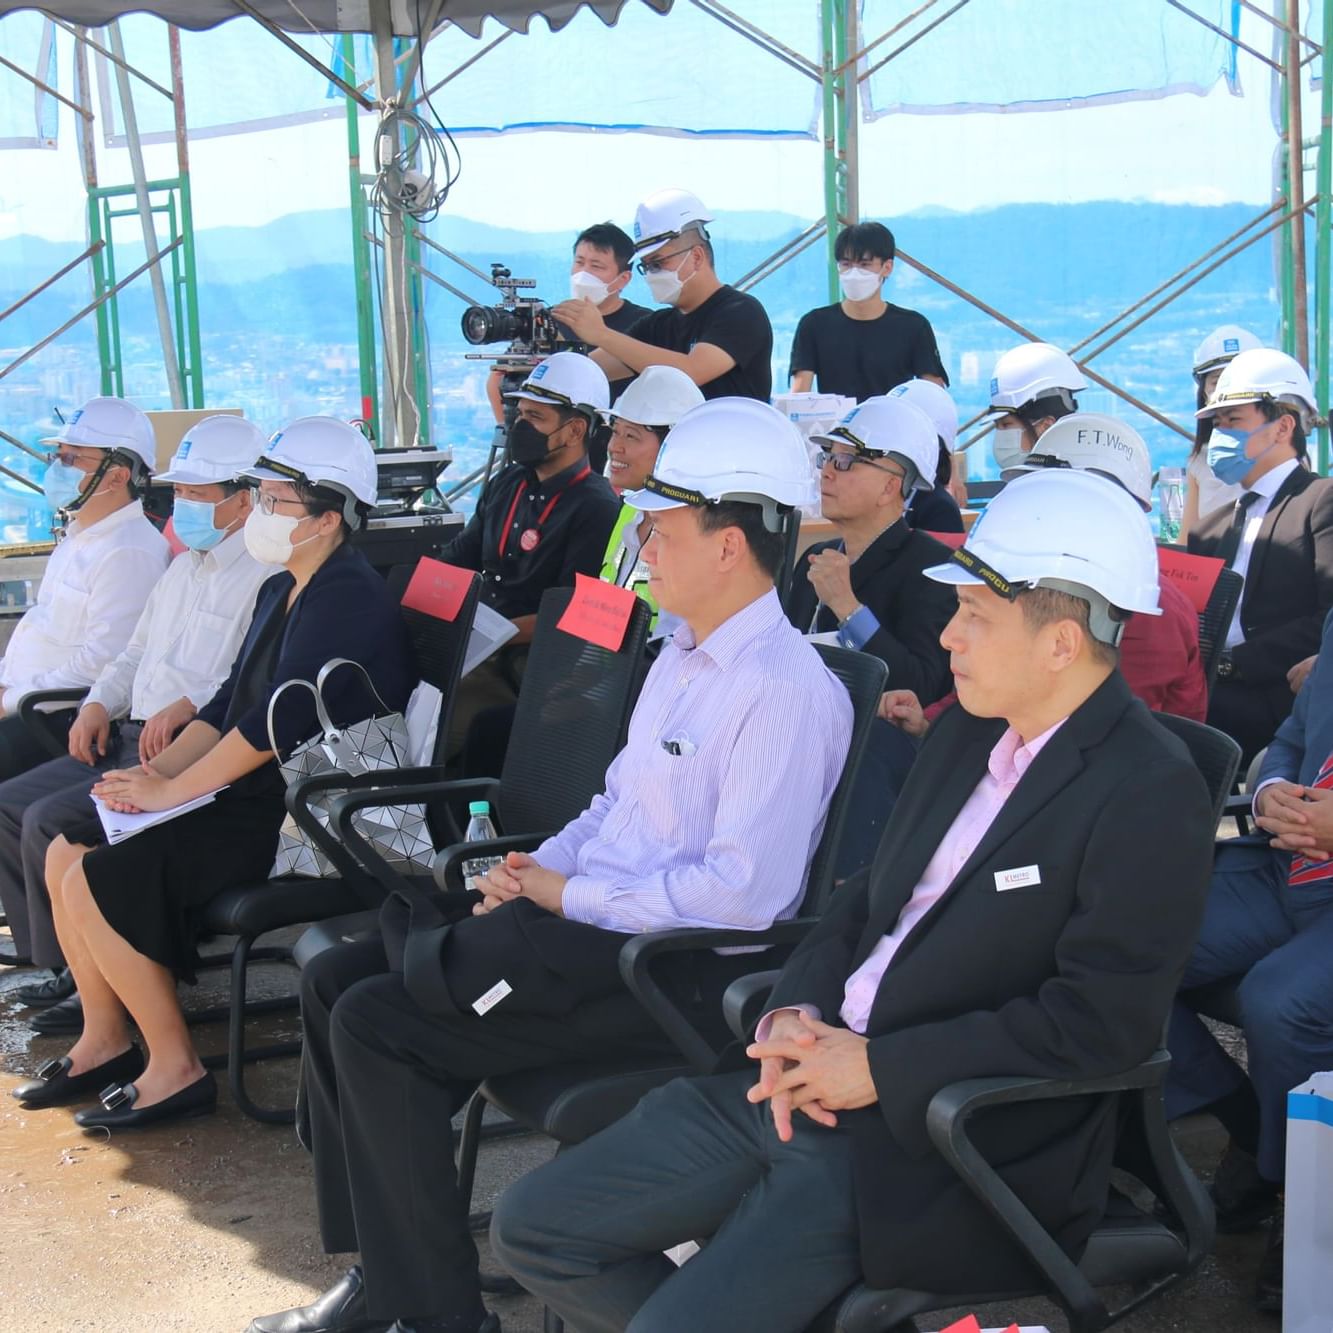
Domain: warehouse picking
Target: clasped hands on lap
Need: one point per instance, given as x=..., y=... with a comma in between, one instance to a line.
x=1299, y=818
x=519, y=876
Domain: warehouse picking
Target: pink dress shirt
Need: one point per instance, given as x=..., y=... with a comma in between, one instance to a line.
x=1009, y=760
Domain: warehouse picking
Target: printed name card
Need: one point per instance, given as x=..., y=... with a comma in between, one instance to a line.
x=970, y=1325
x=1194, y=575
x=598, y=612
x=437, y=589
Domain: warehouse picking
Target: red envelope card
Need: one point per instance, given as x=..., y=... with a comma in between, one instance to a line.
x=598, y=612
x=437, y=589
x=1194, y=575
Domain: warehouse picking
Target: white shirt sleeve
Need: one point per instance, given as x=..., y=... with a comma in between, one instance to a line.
x=115, y=684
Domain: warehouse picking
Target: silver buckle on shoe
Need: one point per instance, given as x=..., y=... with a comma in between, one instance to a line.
x=53, y=1069
x=116, y=1095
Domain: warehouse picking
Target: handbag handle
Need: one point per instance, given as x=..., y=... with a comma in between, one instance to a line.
x=273, y=703
x=327, y=725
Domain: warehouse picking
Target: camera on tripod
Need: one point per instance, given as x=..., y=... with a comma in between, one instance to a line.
x=525, y=323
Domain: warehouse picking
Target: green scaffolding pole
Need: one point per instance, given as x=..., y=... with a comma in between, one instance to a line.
x=365, y=287
x=1323, y=240
x=839, y=87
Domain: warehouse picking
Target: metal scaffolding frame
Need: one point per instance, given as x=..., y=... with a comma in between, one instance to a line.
x=394, y=300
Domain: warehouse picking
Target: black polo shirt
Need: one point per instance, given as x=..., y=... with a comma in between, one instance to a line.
x=731, y=320
x=861, y=358
x=526, y=535
x=618, y=321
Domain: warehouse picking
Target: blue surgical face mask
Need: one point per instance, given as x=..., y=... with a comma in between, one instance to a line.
x=62, y=484
x=193, y=521
x=1226, y=453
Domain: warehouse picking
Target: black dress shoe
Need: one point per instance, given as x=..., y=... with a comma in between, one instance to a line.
x=55, y=1085
x=1243, y=1198
x=341, y=1309
x=43, y=994
x=11, y=957
x=491, y=1324
x=64, y=1017
x=118, y=1110
x=1268, y=1280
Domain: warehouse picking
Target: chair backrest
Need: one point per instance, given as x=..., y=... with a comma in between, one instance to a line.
x=1215, y=619
x=1214, y=753
x=864, y=677
x=573, y=711
x=439, y=648
x=791, y=540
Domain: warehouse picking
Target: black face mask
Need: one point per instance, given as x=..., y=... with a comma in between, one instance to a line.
x=527, y=444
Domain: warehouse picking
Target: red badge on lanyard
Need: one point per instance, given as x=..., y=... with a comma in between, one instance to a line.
x=528, y=540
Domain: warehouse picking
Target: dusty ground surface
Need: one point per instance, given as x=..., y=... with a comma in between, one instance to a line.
x=200, y=1226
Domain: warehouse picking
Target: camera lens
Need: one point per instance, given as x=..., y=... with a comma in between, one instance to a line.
x=490, y=324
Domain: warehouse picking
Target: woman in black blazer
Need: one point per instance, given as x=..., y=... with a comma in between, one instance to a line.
x=127, y=914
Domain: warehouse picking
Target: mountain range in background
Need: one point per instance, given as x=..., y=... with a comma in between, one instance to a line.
x=277, y=305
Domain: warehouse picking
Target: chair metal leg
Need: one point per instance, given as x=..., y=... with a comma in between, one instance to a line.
x=551, y=1322
x=236, y=1052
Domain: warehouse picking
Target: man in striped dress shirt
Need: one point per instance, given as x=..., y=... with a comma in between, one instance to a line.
x=710, y=817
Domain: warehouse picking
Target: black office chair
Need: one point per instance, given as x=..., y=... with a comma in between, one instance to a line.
x=250, y=911
x=572, y=714
x=571, y=1102
x=1215, y=620
x=1215, y=755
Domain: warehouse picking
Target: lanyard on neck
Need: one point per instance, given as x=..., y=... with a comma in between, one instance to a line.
x=545, y=514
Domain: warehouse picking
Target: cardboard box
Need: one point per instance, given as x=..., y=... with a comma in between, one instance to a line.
x=170, y=428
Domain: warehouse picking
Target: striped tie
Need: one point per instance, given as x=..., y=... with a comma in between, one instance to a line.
x=1303, y=870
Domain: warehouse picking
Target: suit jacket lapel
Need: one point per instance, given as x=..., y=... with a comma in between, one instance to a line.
x=879, y=556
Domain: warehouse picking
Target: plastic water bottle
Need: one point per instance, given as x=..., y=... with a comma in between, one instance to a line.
x=479, y=829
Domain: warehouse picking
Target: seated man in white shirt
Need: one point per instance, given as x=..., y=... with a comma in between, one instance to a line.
x=180, y=652
x=98, y=577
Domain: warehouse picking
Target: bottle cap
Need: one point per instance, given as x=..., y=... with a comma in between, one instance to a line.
x=479, y=808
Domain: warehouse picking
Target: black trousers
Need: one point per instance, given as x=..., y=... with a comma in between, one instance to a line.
x=381, y=1080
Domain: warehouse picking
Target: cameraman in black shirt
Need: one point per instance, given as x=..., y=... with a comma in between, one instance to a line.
x=718, y=336
x=863, y=346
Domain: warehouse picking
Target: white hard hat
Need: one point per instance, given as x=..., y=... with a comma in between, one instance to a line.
x=936, y=402
x=214, y=449
x=893, y=428
x=1094, y=442
x=666, y=214
x=1032, y=371
x=567, y=379
x=1263, y=374
x=1220, y=346
x=322, y=451
x=110, y=423
x=1065, y=530
x=730, y=449
x=659, y=397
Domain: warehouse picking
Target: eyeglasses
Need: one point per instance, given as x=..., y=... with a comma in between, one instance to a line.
x=268, y=502
x=80, y=461
x=646, y=266
x=844, y=462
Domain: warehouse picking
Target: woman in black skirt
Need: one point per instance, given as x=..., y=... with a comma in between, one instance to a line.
x=127, y=914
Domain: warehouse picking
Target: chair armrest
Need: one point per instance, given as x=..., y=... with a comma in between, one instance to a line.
x=946, y=1123
x=742, y=997
x=639, y=953
x=31, y=716
x=448, y=865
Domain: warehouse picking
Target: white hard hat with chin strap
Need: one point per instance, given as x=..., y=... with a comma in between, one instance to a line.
x=731, y=449
x=1031, y=372
x=1263, y=374
x=893, y=428
x=1068, y=531
x=1094, y=442
x=665, y=214
x=936, y=402
x=1220, y=346
x=323, y=451
x=660, y=396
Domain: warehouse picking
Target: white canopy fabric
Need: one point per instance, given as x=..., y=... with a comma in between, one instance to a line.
x=336, y=15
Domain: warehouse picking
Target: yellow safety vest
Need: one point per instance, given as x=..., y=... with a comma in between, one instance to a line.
x=622, y=569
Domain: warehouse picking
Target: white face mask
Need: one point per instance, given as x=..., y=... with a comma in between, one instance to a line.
x=585, y=286
x=859, y=283
x=1007, y=446
x=665, y=285
x=268, y=537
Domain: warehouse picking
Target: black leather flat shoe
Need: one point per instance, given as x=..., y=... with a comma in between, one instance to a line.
x=62, y=1019
x=341, y=1309
x=118, y=1110
x=55, y=1085
x=43, y=994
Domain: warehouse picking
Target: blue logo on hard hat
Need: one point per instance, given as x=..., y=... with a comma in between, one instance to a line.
x=994, y=387
x=1231, y=344
x=184, y=450
x=539, y=371
x=638, y=230
x=74, y=420
x=851, y=416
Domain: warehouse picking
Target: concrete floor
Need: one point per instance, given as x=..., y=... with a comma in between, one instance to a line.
x=200, y=1226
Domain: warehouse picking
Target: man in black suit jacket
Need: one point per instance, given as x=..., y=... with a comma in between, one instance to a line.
x=1278, y=534
x=1028, y=913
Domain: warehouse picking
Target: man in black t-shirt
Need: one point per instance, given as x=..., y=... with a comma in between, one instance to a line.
x=863, y=346
x=718, y=336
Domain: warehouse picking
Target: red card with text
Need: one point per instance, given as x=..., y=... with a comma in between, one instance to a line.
x=953, y=540
x=968, y=1325
x=1194, y=575
x=437, y=589
x=598, y=612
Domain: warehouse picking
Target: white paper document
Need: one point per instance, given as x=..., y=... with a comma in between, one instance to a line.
x=118, y=826
x=490, y=631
